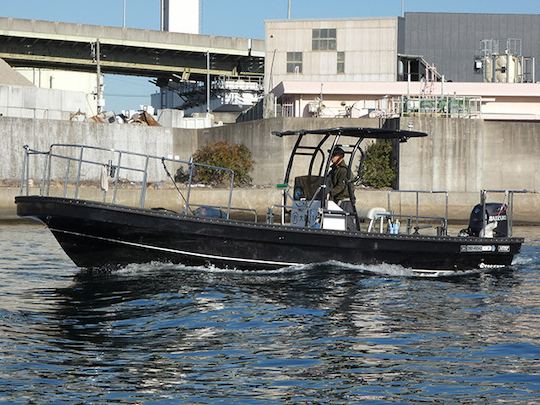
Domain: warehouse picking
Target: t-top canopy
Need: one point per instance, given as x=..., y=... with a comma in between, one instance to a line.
x=372, y=133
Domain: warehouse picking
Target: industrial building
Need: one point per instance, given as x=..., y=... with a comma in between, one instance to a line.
x=466, y=65
x=456, y=42
x=443, y=64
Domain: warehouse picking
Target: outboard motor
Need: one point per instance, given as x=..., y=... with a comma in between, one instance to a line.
x=496, y=221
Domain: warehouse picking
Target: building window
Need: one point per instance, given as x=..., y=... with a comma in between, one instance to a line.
x=324, y=39
x=341, y=62
x=294, y=62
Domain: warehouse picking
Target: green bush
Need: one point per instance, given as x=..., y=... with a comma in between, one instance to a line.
x=236, y=157
x=377, y=170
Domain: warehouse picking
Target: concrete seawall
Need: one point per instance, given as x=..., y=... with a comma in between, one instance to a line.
x=460, y=156
x=468, y=155
x=269, y=152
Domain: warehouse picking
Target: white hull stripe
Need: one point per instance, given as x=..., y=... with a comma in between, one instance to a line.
x=182, y=252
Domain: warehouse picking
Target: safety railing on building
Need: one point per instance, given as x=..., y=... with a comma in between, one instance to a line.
x=432, y=105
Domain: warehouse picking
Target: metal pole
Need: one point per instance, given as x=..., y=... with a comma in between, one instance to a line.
x=207, y=81
x=200, y=16
x=446, y=215
x=124, y=20
x=161, y=15
x=144, y=182
x=483, y=202
x=24, y=177
x=48, y=165
x=417, y=211
x=117, y=176
x=191, y=166
x=283, y=206
x=98, y=77
x=230, y=196
x=402, y=8
x=508, y=59
x=493, y=68
x=289, y=10
x=408, y=79
x=66, y=178
x=27, y=175
x=509, y=212
x=442, y=86
x=78, y=182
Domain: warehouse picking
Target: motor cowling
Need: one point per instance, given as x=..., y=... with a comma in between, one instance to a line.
x=496, y=220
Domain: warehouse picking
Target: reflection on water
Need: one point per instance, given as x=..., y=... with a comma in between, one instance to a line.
x=327, y=333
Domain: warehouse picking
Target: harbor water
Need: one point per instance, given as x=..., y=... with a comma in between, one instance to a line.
x=327, y=333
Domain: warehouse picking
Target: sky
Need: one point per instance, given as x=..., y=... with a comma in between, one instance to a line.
x=240, y=18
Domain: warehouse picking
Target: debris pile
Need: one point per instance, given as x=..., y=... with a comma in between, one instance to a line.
x=144, y=116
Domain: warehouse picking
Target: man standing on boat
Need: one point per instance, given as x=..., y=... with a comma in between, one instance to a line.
x=339, y=184
x=339, y=177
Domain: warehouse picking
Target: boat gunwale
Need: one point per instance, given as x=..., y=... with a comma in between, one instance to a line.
x=169, y=214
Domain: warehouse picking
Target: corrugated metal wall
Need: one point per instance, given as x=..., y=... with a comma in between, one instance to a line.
x=452, y=40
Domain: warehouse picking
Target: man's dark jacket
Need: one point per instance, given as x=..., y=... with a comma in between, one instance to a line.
x=339, y=176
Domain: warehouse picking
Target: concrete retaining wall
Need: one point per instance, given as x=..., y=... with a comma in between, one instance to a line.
x=468, y=155
x=458, y=155
x=269, y=152
x=461, y=156
x=39, y=103
x=40, y=134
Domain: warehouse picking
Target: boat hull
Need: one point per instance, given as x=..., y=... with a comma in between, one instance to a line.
x=105, y=235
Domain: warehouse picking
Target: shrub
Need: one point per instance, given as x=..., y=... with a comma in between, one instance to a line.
x=377, y=170
x=233, y=156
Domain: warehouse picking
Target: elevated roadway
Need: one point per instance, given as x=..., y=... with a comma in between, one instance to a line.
x=128, y=51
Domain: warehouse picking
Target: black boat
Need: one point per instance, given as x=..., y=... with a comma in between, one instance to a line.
x=311, y=227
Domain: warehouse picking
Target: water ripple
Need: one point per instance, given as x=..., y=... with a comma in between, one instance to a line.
x=330, y=333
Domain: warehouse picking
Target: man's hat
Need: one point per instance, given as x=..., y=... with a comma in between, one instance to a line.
x=338, y=152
